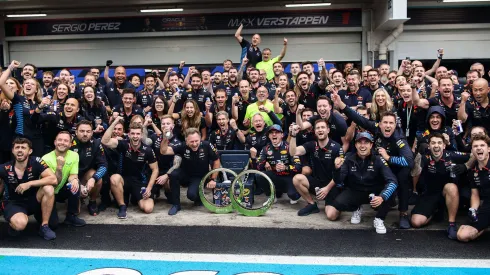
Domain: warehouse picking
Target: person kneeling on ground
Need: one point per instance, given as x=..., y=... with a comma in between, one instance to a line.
x=323, y=153
x=29, y=189
x=439, y=175
x=479, y=212
x=362, y=174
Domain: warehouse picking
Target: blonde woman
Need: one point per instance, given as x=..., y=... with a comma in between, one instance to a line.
x=381, y=103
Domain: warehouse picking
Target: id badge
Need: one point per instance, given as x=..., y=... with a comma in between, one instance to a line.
x=407, y=133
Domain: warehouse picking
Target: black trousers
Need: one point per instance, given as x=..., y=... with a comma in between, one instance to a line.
x=283, y=184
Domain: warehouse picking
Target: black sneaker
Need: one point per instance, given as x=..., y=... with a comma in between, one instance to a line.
x=404, y=222
x=122, y=212
x=47, y=233
x=309, y=209
x=452, y=232
x=92, y=208
x=198, y=203
x=173, y=211
x=73, y=220
x=12, y=232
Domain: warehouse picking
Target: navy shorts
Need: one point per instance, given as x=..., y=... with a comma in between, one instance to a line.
x=29, y=207
x=132, y=187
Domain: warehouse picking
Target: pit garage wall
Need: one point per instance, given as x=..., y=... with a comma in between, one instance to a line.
x=337, y=37
x=464, y=33
x=342, y=46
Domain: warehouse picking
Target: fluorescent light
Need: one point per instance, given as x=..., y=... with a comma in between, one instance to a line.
x=162, y=10
x=307, y=5
x=27, y=15
x=463, y=1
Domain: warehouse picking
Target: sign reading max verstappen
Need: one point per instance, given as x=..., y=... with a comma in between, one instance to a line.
x=191, y=22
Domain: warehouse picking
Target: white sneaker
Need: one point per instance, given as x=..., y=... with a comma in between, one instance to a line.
x=291, y=201
x=356, y=216
x=379, y=224
x=265, y=203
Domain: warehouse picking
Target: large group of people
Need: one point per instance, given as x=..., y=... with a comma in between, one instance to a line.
x=347, y=136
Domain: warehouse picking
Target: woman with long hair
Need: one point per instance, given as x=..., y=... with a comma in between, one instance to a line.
x=381, y=104
x=283, y=86
x=14, y=85
x=159, y=109
x=191, y=117
x=61, y=95
x=91, y=108
x=23, y=106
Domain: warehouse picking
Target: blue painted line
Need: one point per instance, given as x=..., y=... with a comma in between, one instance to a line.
x=67, y=266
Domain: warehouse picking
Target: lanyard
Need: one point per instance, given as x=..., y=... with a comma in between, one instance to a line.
x=409, y=114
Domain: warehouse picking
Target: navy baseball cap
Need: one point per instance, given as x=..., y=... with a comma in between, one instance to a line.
x=275, y=127
x=364, y=135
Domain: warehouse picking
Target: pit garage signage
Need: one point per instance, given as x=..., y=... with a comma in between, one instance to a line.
x=190, y=22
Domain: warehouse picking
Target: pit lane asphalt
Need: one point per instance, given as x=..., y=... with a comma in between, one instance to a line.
x=252, y=241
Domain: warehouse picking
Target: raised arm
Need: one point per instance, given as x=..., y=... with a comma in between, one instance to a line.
x=293, y=149
x=421, y=102
x=3, y=79
x=239, y=134
x=242, y=68
x=350, y=113
x=284, y=49
x=277, y=109
x=462, y=115
x=440, y=54
x=107, y=138
x=106, y=72
x=238, y=34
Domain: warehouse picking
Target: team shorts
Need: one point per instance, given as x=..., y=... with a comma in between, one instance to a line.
x=132, y=187
x=428, y=204
x=29, y=207
x=483, y=217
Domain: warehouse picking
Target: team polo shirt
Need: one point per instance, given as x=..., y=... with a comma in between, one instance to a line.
x=196, y=163
x=35, y=167
x=254, y=55
x=113, y=94
x=479, y=178
x=451, y=112
x=354, y=99
x=478, y=115
x=268, y=67
x=70, y=167
x=322, y=159
x=135, y=161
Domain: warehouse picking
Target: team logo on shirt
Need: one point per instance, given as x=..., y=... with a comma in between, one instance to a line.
x=353, y=169
x=400, y=143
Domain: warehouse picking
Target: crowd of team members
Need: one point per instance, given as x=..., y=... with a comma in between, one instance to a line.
x=349, y=137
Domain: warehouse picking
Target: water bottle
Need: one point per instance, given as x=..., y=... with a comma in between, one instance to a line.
x=472, y=214
x=55, y=105
x=451, y=173
x=460, y=126
x=371, y=196
x=98, y=121
x=68, y=186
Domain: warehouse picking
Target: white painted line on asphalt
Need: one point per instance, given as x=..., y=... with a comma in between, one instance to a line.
x=254, y=259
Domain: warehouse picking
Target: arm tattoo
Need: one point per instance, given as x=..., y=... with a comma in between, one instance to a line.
x=177, y=162
x=59, y=175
